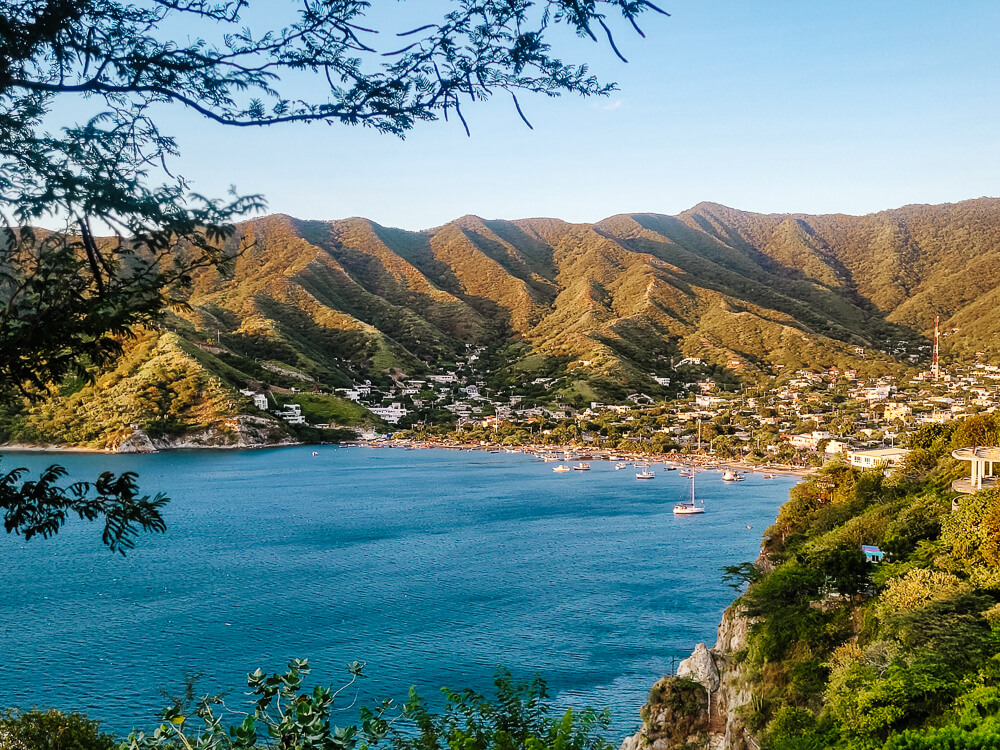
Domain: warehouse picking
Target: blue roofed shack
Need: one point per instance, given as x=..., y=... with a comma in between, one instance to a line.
x=872, y=553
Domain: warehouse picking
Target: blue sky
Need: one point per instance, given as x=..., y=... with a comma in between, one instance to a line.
x=778, y=106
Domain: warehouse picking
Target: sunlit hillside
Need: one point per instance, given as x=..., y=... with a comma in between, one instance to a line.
x=317, y=305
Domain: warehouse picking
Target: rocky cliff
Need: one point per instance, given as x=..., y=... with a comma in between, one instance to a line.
x=699, y=706
x=243, y=431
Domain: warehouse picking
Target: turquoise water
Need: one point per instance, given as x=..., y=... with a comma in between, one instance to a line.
x=431, y=566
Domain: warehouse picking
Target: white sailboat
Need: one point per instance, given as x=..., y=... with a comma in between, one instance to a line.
x=689, y=508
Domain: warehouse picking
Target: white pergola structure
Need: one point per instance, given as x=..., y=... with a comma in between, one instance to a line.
x=981, y=474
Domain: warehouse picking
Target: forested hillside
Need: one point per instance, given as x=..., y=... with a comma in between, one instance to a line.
x=899, y=654
x=318, y=305
x=626, y=295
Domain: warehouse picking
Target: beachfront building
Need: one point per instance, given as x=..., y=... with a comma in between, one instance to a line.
x=981, y=460
x=391, y=414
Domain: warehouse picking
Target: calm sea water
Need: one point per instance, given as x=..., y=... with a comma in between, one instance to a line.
x=431, y=566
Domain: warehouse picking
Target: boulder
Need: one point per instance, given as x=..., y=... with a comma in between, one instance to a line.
x=700, y=667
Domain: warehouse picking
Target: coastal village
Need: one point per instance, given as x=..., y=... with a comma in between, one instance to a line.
x=798, y=419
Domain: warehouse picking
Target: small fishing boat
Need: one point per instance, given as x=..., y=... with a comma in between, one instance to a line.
x=621, y=465
x=769, y=476
x=560, y=468
x=732, y=476
x=645, y=475
x=582, y=467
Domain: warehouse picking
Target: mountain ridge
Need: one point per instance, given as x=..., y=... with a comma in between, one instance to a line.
x=604, y=309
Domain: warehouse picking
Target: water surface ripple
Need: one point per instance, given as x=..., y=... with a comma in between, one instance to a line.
x=432, y=566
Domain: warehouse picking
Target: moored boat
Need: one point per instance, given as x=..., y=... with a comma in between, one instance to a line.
x=560, y=468
x=689, y=507
x=645, y=475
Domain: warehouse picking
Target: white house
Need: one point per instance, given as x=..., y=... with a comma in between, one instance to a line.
x=880, y=458
x=292, y=413
x=259, y=399
x=836, y=446
x=708, y=401
x=809, y=440
x=878, y=392
x=391, y=414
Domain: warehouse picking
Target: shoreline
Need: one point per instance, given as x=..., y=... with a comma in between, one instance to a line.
x=575, y=453
x=26, y=448
x=568, y=453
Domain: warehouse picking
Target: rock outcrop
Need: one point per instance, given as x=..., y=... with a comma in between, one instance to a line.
x=244, y=431
x=674, y=717
x=137, y=442
x=698, y=707
x=700, y=667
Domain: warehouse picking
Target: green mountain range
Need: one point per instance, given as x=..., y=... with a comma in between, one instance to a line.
x=742, y=290
x=325, y=303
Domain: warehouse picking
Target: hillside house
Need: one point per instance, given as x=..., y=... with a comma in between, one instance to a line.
x=259, y=399
x=291, y=413
x=880, y=458
x=391, y=414
x=872, y=553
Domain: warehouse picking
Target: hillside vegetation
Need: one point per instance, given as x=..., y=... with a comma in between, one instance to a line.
x=626, y=295
x=317, y=305
x=902, y=654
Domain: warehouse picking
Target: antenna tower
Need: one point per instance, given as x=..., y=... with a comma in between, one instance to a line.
x=935, y=361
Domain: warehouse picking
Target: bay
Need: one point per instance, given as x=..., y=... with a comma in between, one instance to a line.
x=431, y=566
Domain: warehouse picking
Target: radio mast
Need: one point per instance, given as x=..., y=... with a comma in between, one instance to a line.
x=935, y=361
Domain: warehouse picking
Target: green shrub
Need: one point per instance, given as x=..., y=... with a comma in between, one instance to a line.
x=51, y=730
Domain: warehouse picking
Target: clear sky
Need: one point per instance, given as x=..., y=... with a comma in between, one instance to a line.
x=851, y=106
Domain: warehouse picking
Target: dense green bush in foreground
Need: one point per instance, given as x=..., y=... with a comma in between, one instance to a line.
x=51, y=730
x=286, y=714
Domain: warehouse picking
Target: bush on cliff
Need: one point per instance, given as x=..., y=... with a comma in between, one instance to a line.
x=904, y=655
